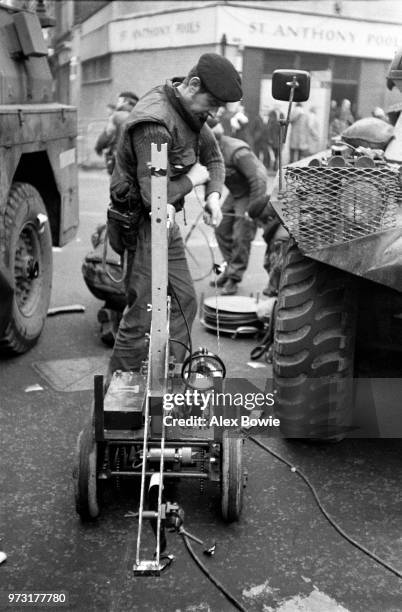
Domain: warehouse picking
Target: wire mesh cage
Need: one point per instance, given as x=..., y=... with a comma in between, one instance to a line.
x=324, y=206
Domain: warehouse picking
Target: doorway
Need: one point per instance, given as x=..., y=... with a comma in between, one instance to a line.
x=340, y=91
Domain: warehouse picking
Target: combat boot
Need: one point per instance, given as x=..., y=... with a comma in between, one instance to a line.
x=219, y=281
x=230, y=287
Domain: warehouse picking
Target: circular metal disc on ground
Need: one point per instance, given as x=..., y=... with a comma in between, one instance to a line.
x=229, y=316
x=231, y=303
x=225, y=314
x=230, y=322
x=241, y=330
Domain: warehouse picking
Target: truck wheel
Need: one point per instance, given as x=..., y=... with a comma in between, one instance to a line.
x=29, y=249
x=313, y=351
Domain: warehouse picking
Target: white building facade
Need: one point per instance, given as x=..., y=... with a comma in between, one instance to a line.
x=347, y=45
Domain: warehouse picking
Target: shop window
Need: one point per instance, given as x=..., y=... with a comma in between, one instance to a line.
x=96, y=69
x=346, y=68
x=311, y=61
x=274, y=60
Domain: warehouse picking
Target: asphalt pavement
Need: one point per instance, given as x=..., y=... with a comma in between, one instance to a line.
x=282, y=556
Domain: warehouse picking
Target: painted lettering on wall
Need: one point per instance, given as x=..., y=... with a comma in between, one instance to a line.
x=317, y=34
x=190, y=27
x=304, y=32
x=384, y=41
x=312, y=33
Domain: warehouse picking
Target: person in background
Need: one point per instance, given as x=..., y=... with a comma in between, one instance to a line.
x=336, y=126
x=246, y=179
x=346, y=113
x=298, y=141
x=174, y=114
x=259, y=134
x=313, y=131
x=273, y=137
x=239, y=124
x=108, y=139
x=332, y=109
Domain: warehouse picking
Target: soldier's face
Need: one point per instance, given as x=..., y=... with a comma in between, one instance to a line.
x=202, y=104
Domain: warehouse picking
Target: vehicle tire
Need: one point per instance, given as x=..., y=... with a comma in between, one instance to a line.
x=232, y=476
x=29, y=248
x=313, y=353
x=85, y=475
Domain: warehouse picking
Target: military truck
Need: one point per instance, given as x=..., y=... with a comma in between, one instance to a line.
x=340, y=292
x=38, y=179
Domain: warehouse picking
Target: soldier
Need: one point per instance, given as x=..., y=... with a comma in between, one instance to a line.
x=246, y=180
x=108, y=139
x=175, y=114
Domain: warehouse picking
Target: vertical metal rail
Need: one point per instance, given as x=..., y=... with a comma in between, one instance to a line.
x=159, y=336
x=162, y=460
x=160, y=332
x=143, y=474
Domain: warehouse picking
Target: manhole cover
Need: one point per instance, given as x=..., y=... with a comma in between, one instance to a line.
x=72, y=374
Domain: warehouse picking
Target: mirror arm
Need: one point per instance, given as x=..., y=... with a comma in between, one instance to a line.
x=293, y=84
x=284, y=124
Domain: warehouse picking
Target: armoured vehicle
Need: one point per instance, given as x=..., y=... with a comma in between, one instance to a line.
x=38, y=179
x=340, y=292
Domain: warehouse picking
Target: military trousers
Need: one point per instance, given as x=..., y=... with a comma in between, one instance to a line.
x=234, y=236
x=131, y=344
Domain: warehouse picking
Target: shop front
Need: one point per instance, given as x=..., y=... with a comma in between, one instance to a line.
x=348, y=58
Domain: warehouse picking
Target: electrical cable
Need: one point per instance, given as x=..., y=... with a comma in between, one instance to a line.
x=194, y=225
x=192, y=228
x=214, y=270
x=329, y=518
x=203, y=568
x=190, y=344
x=237, y=604
x=203, y=234
x=180, y=342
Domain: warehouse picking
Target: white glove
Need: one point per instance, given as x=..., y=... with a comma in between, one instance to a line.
x=212, y=210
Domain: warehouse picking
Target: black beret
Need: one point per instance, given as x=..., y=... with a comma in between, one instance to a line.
x=219, y=77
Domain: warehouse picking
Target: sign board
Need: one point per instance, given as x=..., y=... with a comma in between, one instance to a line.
x=264, y=28
x=164, y=30
x=305, y=32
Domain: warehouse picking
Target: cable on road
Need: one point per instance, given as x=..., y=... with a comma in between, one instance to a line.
x=235, y=602
x=329, y=518
x=206, y=239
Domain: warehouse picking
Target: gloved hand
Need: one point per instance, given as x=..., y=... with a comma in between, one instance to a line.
x=212, y=210
x=171, y=214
